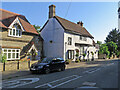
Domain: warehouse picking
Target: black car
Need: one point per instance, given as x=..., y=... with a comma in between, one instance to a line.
x=47, y=65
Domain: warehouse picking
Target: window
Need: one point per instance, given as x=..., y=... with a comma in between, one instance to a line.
x=83, y=38
x=15, y=31
x=70, y=54
x=80, y=37
x=12, y=54
x=69, y=41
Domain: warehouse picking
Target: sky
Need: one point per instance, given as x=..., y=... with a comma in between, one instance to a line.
x=99, y=18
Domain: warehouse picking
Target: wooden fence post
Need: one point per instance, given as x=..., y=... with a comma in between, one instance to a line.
x=18, y=65
x=4, y=66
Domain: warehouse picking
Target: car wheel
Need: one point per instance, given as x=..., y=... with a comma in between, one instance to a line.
x=47, y=70
x=63, y=68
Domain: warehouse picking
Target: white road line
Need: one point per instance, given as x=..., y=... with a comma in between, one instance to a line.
x=66, y=82
x=16, y=83
x=49, y=83
x=92, y=70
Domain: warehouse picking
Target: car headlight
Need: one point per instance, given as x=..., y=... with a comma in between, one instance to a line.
x=40, y=66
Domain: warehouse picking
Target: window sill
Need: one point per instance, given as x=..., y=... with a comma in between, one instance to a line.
x=15, y=36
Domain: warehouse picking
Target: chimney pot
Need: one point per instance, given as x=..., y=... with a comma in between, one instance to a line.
x=80, y=23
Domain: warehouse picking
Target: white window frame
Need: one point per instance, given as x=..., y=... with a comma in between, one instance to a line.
x=19, y=32
x=83, y=38
x=11, y=53
x=69, y=40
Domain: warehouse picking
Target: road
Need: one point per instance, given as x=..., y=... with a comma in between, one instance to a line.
x=103, y=76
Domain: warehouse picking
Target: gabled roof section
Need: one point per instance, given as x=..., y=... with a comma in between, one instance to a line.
x=2, y=25
x=73, y=27
x=7, y=17
x=28, y=27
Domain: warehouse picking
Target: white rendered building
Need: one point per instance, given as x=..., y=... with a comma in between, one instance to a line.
x=65, y=39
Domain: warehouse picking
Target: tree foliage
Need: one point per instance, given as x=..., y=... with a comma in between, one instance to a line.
x=112, y=47
x=114, y=36
x=3, y=58
x=99, y=43
x=37, y=27
x=104, y=49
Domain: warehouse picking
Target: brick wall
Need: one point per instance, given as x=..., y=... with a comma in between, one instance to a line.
x=12, y=65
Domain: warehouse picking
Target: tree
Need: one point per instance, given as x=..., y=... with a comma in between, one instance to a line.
x=104, y=49
x=37, y=27
x=112, y=36
x=112, y=47
x=99, y=43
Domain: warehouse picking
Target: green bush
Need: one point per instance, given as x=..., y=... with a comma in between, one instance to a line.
x=84, y=54
x=77, y=61
x=3, y=58
x=67, y=61
x=29, y=54
x=77, y=55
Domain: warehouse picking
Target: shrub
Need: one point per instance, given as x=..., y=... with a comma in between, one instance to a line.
x=77, y=55
x=67, y=61
x=3, y=58
x=77, y=60
x=84, y=54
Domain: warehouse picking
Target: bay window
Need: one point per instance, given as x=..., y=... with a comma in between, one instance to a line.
x=11, y=54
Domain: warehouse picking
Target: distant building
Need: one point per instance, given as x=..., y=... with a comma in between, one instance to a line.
x=63, y=38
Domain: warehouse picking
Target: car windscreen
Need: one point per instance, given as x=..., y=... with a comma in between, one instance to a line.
x=46, y=60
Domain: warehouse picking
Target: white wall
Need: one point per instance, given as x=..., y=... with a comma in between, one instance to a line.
x=53, y=31
x=76, y=39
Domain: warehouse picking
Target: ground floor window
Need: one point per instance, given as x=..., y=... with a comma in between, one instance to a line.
x=11, y=54
x=70, y=54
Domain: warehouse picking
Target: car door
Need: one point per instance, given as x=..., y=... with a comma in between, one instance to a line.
x=54, y=64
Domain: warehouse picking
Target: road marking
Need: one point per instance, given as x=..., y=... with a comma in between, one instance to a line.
x=51, y=86
x=66, y=82
x=89, y=87
x=19, y=82
x=92, y=70
x=89, y=84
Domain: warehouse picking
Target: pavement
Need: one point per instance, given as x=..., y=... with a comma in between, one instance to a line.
x=95, y=74
x=20, y=73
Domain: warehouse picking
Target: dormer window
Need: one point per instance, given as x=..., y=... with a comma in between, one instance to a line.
x=15, y=31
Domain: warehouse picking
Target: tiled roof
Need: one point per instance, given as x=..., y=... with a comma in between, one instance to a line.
x=70, y=26
x=2, y=25
x=7, y=17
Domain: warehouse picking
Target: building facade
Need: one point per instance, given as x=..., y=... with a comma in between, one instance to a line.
x=65, y=39
x=19, y=39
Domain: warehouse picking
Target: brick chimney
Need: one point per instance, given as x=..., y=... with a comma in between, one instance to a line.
x=80, y=23
x=51, y=11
